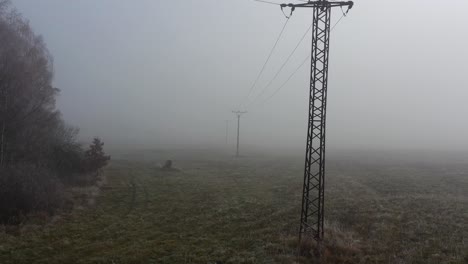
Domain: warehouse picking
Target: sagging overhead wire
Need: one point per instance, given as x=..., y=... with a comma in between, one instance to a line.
x=286, y=81
x=267, y=2
x=266, y=62
x=337, y=22
x=300, y=65
x=342, y=15
x=282, y=66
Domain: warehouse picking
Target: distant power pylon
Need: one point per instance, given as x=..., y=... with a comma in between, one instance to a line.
x=238, y=113
x=312, y=212
x=227, y=129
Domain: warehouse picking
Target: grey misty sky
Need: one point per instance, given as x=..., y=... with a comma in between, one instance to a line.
x=169, y=72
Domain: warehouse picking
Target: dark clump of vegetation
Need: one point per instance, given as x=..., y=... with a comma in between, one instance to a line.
x=95, y=158
x=25, y=188
x=39, y=153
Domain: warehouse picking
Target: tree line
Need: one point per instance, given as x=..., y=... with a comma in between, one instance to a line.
x=40, y=155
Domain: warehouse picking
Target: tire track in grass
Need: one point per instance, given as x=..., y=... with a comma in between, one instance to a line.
x=131, y=191
x=139, y=184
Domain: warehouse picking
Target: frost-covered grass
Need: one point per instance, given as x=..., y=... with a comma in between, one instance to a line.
x=218, y=209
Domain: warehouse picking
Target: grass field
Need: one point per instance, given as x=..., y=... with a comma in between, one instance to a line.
x=218, y=209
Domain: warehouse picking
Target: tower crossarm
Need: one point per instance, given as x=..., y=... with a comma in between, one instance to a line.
x=321, y=4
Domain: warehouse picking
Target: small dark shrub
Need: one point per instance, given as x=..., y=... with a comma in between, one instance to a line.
x=26, y=188
x=95, y=158
x=80, y=168
x=76, y=166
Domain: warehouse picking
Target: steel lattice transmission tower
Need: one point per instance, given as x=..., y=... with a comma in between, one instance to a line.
x=312, y=212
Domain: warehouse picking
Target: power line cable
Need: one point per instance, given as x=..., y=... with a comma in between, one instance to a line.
x=266, y=62
x=337, y=22
x=282, y=66
x=299, y=67
x=342, y=15
x=287, y=80
x=267, y=2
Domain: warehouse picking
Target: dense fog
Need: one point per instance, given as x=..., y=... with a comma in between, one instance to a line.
x=169, y=73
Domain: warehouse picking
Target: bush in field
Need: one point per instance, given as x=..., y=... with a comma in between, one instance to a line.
x=27, y=188
x=95, y=158
x=80, y=167
x=67, y=156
